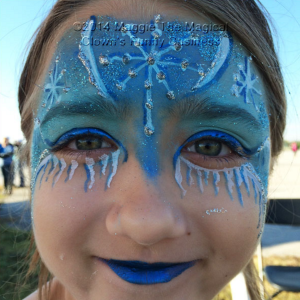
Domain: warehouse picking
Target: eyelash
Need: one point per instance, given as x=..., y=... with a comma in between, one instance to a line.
x=60, y=147
x=238, y=154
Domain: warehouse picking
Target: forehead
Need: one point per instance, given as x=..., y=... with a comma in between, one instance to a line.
x=151, y=66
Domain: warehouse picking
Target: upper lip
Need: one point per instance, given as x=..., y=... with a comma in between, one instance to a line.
x=144, y=265
x=139, y=272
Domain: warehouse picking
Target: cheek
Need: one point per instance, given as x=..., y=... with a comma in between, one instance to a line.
x=64, y=214
x=230, y=222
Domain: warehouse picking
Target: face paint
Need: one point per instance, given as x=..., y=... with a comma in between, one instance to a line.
x=57, y=167
x=245, y=81
x=216, y=210
x=144, y=81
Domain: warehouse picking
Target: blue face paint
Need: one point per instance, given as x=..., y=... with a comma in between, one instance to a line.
x=138, y=272
x=130, y=91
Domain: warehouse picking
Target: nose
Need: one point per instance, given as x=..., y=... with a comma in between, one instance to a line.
x=144, y=212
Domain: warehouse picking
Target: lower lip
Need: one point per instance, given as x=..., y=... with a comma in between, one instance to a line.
x=137, y=272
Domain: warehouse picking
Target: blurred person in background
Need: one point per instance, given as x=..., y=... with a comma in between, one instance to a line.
x=6, y=153
x=294, y=147
x=19, y=163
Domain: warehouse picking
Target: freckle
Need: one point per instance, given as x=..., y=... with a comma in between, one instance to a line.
x=188, y=233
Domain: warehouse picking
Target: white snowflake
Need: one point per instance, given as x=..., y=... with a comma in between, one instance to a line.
x=244, y=83
x=153, y=61
x=55, y=85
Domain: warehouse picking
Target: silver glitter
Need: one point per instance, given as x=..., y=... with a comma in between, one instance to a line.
x=150, y=60
x=161, y=75
x=170, y=95
x=63, y=71
x=213, y=64
x=126, y=59
x=148, y=131
x=184, y=64
x=103, y=60
x=132, y=73
x=147, y=84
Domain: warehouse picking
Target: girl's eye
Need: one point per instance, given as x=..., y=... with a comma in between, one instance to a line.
x=209, y=148
x=89, y=143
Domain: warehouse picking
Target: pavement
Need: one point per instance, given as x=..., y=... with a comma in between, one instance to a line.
x=279, y=240
x=285, y=178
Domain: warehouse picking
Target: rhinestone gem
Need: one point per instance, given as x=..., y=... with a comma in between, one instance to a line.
x=147, y=85
x=170, y=95
x=124, y=29
x=119, y=86
x=149, y=105
x=201, y=72
x=103, y=60
x=150, y=60
x=125, y=59
x=66, y=89
x=137, y=43
x=161, y=75
x=57, y=58
x=148, y=131
x=177, y=46
x=213, y=64
x=184, y=64
x=156, y=35
x=132, y=73
x=157, y=18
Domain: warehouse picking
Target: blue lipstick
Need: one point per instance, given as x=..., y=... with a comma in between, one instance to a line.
x=138, y=272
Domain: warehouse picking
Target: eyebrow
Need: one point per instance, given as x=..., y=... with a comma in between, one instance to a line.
x=89, y=105
x=192, y=108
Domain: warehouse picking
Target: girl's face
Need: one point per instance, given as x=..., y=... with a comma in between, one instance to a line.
x=150, y=159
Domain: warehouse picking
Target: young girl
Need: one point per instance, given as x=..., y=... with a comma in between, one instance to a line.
x=152, y=127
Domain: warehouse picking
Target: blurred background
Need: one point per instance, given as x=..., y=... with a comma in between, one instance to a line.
x=280, y=243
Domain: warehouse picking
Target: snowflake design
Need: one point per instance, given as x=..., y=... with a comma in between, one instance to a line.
x=55, y=85
x=153, y=61
x=244, y=83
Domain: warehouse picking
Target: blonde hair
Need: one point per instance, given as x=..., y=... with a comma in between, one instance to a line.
x=247, y=19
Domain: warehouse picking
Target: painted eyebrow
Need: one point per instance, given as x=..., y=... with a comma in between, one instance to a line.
x=91, y=105
x=194, y=108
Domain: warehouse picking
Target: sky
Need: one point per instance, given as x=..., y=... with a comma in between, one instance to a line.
x=19, y=19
